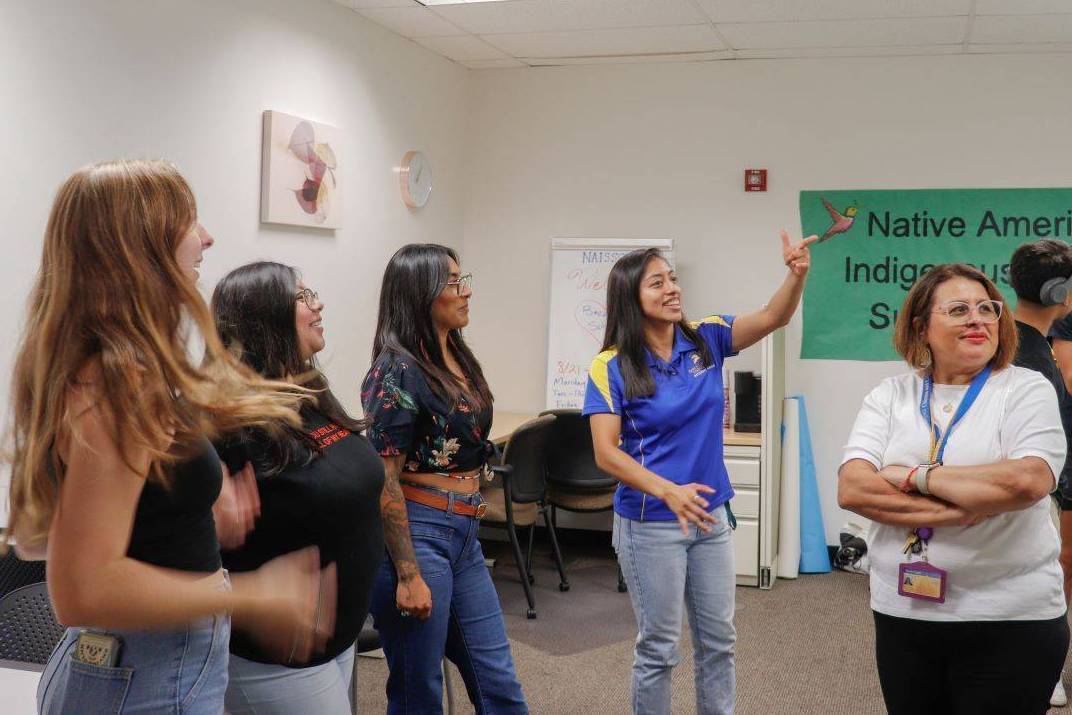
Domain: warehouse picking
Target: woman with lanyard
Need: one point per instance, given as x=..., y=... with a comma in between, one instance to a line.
x=656, y=403
x=953, y=463
x=430, y=408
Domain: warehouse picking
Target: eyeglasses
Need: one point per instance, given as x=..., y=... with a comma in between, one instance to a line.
x=988, y=310
x=307, y=296
x=466, y=281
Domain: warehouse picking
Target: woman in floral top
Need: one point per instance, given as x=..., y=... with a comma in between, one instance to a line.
x=430, y=410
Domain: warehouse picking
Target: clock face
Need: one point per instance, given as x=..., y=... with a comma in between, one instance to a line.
x=416, y=178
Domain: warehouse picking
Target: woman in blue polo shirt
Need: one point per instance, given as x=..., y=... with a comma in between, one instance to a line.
x=655, y=399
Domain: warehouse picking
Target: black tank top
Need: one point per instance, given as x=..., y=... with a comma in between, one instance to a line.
x=173, y=524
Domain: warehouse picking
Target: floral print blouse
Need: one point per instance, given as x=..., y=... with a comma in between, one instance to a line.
x=409, y=418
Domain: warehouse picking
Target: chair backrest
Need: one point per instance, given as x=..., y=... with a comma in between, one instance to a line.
x=28, y=628
x=14, y=572
x=526, y=452
x=571, y=459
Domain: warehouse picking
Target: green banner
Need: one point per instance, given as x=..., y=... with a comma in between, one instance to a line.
x=874, y=245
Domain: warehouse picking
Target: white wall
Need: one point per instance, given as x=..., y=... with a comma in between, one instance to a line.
x=88, y=80
x=659, y=150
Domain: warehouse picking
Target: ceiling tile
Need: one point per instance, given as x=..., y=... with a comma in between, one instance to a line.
x=781, y=10
x=623, y=41
x=515, y=16
x=846, y=33
x=493, y=64
x=462, y=49
x=631, y=59
x=411, y=21
x=361, y=4
x=1022, y=29
x=808, y=52
x=1022, y=7
x=1007, y=49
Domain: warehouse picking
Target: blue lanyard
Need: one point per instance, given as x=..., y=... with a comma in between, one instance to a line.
x=939, y=440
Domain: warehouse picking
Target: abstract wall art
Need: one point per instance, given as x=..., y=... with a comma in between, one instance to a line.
x=299, y=172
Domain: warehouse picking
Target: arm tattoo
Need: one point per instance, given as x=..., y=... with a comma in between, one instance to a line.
x=396, y=523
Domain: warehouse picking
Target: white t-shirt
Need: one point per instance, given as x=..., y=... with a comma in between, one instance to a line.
x=1004, y=568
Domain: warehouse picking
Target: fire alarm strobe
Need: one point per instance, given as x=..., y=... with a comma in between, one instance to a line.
x=755, y=179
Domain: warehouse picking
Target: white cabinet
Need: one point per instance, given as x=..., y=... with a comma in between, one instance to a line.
x=754, y=464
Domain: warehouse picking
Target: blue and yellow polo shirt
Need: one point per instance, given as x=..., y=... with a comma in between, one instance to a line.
x=677, y=431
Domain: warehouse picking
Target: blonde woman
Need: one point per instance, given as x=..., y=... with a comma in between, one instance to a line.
x=113, y=476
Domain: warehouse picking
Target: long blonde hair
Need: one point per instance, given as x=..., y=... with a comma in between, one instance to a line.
x=110, y=290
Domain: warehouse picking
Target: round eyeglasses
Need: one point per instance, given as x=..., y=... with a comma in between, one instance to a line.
x=988, y=311
x=465, y=281
x=307, y=296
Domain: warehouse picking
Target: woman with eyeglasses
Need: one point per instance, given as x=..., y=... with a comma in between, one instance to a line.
x=953, y=463
x=318, y=485
x=430, y=410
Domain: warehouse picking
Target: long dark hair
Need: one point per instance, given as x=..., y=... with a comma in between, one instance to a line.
x=255, y=308
x=625, y=323
x=413, y=279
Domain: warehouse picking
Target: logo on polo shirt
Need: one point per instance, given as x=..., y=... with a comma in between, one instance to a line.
x=697, y=365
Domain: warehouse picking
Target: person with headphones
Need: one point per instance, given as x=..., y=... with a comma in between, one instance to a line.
x=1041, y=274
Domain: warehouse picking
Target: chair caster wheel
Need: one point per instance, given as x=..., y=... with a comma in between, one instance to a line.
x=531, y=613
x=622, y=588
x=532, y=579
x=563, y=587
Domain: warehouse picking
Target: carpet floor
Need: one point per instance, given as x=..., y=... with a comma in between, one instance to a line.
x=806, y=646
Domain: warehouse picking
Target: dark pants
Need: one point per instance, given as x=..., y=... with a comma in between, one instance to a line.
x=974, y=667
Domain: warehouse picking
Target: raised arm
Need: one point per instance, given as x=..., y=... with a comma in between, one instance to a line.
x=684, y=500
x=750, y=328
x=413, y=594
x=861, y=489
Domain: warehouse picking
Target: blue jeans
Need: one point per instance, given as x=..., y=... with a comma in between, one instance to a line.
x=183, y=670
x=268, y=689
x=466, y=623
x=666, y=570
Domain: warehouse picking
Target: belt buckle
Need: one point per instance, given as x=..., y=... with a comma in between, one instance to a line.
x=481, y=510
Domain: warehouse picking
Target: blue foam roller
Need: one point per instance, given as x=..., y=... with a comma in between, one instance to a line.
x=814, y=556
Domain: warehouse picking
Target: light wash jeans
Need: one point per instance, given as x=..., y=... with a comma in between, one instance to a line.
x=666, y=570
x=182, y=670
x=269, y=689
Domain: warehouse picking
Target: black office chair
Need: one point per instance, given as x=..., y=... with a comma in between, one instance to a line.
x=523, y=497
x=28, y=628
x=574, y=481
x=14, y=572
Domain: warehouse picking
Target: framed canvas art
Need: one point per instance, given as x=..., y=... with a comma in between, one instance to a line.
x=299, y=172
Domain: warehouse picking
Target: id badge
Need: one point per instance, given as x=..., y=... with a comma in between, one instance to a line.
x=919, y=579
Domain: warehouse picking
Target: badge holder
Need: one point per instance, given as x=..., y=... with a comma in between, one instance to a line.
x=922, y=580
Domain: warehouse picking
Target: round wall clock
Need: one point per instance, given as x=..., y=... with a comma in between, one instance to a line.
x=415, y=179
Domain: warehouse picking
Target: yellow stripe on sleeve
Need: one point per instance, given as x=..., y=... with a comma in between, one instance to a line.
x=716, y=319
x=601, y=376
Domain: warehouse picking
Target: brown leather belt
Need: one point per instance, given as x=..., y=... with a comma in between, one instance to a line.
x=421, y=496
